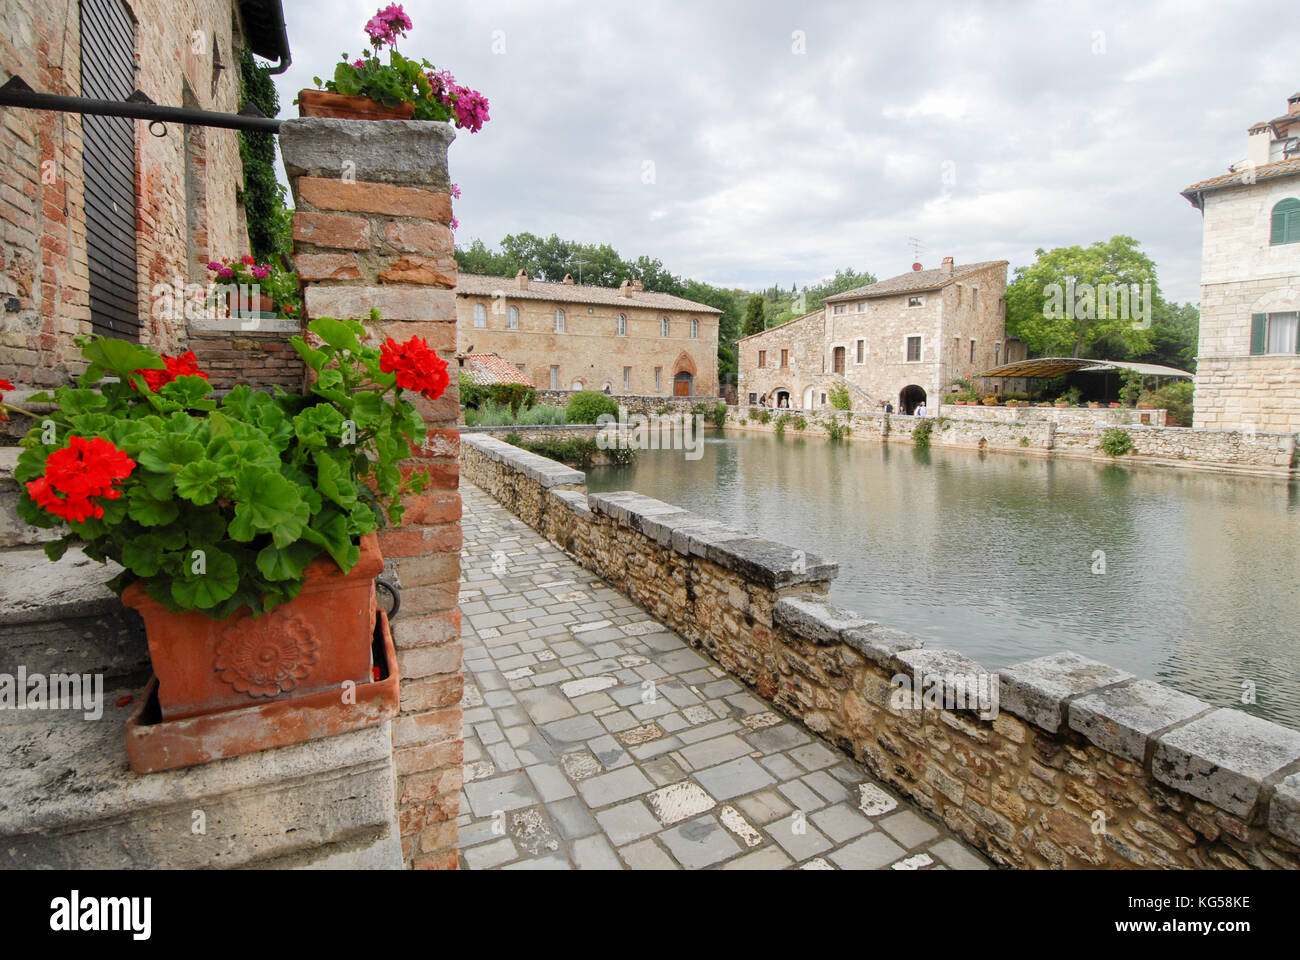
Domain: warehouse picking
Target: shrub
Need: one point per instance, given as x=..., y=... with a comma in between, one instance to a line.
x=838, y=431
x=719, y=415
x=839, y=397
x=800, y=423
x=764, y=416
x=513, y=438
x=543, y=413
x=1132, y=389
x=1024, y=441
x=1174, y=397
x=921, y=435
x=1116, y=442
x=516, y=396
x=781, y=422
x=586, y=406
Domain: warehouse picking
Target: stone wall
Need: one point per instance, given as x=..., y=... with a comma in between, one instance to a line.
x=635, y=403
x=180, y=223
x=1075, y=765
x=1265, y=454
x=1062, y=416
x=383, y=241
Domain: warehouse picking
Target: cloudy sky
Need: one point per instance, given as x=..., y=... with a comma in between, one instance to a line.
x=756, y=142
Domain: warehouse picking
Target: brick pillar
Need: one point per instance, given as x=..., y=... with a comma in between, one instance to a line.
x=371, y=229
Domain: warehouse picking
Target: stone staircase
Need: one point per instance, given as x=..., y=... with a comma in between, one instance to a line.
x=70, y=799
x=868, y=402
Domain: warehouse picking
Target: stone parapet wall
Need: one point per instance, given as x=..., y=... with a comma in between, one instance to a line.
x=1075, y=765
x=635, y=403
x=1064, y=416
x=1260, y=453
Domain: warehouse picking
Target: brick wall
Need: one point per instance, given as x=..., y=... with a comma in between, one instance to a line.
x=383, y=241
x=44, y=276
x=1067, y=763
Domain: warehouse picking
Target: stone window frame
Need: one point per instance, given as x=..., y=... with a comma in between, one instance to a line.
x=621, y=326
x=762, y=359
x=916, y=301
x=665, y=327
x=920, y=351
x=559, y=320
x=512, y=317
x=860, y=352
x=480, y=316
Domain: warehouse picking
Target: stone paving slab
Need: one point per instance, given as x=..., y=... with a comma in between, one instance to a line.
x=596, y=738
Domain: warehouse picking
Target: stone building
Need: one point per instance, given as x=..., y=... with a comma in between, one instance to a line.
x=1248, y=362
x=96, y=212
x=901, y=340
x=570, y=336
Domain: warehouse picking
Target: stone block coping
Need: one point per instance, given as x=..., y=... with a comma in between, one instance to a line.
x=370, y=151
x=1242, y=764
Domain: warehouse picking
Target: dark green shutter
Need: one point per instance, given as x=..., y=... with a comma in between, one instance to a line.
x=1258, y=331
x=1285, y=227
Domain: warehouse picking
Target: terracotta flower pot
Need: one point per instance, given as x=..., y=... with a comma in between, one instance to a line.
x=1114, y=406
x=311, y=644
x=236, y=307
x=322, y=103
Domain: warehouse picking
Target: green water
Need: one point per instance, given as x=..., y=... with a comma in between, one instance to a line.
x=993, y=554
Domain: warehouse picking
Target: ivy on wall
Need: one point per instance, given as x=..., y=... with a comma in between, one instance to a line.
x=263, y=196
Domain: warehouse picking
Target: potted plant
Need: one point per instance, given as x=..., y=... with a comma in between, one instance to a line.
x=254, y=289
x=402, y=89
x=1093, y=404
x=990, y=401
x=245, y=527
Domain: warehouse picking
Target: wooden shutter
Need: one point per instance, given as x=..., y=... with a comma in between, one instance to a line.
x=1286, y=222
x=108, y=169
x=1258, y=332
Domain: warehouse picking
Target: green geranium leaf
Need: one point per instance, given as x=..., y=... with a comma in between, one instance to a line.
x=108, y=354
x=336, y=333
x=143, y=556
x=208, y=577
x=189, y=392
x=198, y=481
x=150, y=512
x=319, y=426
x=286, y=563
x=265, y=501
x=55, y=549
x=334, y=480
x=169, y=453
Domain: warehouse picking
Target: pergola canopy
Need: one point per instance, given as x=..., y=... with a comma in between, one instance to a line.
x=1045, y=367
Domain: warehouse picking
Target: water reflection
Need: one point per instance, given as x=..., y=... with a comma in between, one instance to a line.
x=994, y=555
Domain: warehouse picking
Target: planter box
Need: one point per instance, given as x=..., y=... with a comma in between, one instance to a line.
x=154, y=744
x=312, y=644
x=322, y=103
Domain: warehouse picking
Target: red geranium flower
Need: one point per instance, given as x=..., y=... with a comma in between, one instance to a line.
x=4, y=385
x=417, y=367
x=81, y=471
x=186, y=365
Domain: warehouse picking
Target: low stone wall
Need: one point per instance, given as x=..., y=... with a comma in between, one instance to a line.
x=1063, y=416
x=1264, y=454
x=1068, y=763
x=636, y=403
x=541, y=431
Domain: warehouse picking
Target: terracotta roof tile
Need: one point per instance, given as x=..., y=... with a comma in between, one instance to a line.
x=1267, y=171
x=913, y=281
x=479, y=285
x=486, y=369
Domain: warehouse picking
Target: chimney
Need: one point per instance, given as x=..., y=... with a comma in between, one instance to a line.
x=1293, y=105
x=1258, y=138
x=625, y=289
x=917, y=268
x=636, y=286
x=568, y=278
x=947, y=266
x=521, y=279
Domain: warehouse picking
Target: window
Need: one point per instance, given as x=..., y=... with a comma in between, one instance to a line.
x=915, y=301
x=975, y=298
x=862, y=351
x=997, y=354
x=480, y=315
x=823, y=399
x=577, y=385
x=512, y=318
x=622, y=324
x=862, y=306
x=695, y=329
x=972, y=351
x=559, y=321
x=658, y=372
x=762, y=358
x=519, y=367
x=627, y=379
x=785, y=358
x=1286, y=222
x=753, y=398
x=1275, y=333
x=555, y=378
x=840, y=308
x=663, y=326
x=913, y=349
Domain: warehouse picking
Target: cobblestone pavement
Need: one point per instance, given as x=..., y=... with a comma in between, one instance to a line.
x=596, y=738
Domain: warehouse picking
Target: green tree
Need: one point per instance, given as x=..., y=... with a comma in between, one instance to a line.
x=754, y=321
x=262, y=194
x=1052, y=305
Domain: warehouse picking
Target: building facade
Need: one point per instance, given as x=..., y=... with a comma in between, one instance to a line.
x=902, y=341
x=95, y=211
x=570, y=336
x=1248, y=360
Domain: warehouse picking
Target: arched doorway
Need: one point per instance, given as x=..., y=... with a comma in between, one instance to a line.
x=780, y=397
x=810, y=398
x=683, y=385
x=909, y=398
x=576, y=385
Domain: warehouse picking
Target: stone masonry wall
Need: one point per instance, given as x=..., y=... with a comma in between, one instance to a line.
x=383, y=241
x=1079, y=765
x=634, y=403
x=1267, y=454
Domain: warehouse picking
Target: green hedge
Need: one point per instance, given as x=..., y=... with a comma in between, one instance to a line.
x=586, y=406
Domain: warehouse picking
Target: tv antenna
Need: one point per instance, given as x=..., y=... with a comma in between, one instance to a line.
x=578, y=264
x=917, y=246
